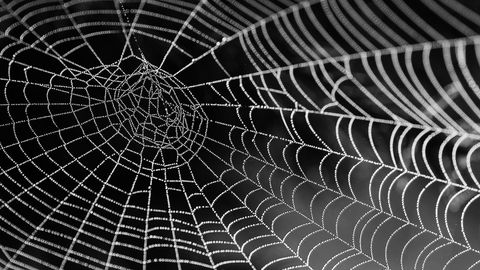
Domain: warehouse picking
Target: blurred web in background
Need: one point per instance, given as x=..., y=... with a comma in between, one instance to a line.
x=239, y=134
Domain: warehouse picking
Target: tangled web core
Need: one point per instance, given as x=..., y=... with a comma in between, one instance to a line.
x=273, y=134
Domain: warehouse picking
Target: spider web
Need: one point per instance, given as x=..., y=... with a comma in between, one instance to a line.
x=239, y=135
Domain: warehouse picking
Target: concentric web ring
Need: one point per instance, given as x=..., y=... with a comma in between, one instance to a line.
x=273, y=134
